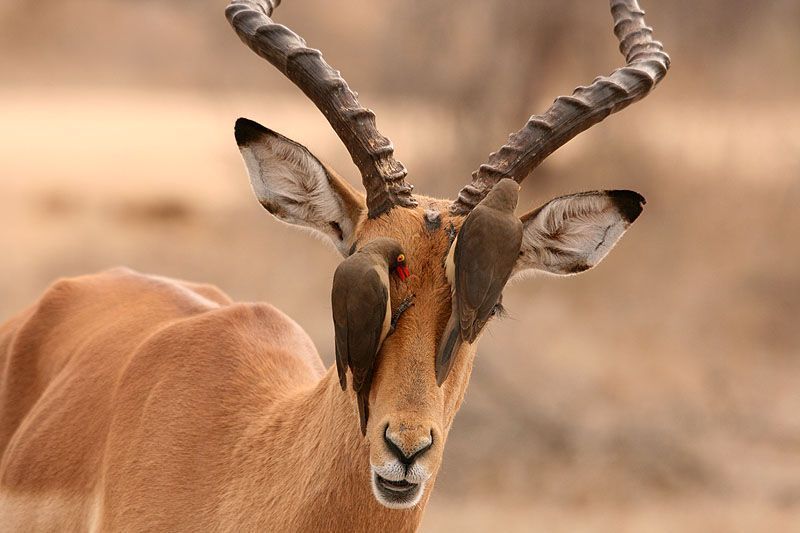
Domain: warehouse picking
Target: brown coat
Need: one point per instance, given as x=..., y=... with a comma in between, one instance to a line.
x=182, y=411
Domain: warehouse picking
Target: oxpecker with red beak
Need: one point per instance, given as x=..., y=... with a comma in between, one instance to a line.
x=478, y=266
x=362, y=313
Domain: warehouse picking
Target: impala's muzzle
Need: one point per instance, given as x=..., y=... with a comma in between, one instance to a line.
x=405, y=463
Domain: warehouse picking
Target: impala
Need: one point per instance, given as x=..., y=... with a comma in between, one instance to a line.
x=131, y=402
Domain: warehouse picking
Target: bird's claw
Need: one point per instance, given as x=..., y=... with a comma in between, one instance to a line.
x=451, y=234
x=402, y=308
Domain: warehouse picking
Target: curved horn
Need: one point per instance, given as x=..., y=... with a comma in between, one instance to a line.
x=646, y=65
x=373, y=154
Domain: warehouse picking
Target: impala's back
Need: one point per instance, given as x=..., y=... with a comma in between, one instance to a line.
x=117, y=387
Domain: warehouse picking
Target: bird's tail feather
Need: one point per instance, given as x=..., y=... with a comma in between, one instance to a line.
x=363, y=410
x=341, y=369
x=451, y=341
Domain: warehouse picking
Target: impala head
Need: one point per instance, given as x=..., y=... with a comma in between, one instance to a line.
x=409, y=414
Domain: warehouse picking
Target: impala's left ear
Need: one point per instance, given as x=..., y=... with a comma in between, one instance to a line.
x=573, y=233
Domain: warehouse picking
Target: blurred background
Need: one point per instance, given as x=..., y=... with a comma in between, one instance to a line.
x=658, y=392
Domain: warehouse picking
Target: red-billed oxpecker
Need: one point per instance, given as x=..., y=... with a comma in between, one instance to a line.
x=478, y=266
x=362, y=313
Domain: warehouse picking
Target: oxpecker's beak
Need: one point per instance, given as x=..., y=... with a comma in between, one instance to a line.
x=403, y=272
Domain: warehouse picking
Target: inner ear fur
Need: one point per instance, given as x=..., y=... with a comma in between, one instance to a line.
x=573, y=233
x=295, y=187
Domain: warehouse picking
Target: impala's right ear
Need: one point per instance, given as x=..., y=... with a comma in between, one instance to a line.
x=296, y=187
x=574, y=233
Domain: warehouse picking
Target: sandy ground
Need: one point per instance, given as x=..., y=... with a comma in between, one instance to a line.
x=689, y=516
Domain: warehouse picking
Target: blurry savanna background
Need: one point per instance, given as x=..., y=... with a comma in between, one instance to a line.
x=658, y=392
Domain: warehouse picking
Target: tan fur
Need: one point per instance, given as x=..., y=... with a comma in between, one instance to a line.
x=139, y=403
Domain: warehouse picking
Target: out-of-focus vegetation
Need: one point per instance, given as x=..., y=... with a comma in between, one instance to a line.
x=657, y=392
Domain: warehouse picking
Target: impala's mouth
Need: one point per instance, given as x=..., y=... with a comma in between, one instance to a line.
x=395, y=486
x=396, y=494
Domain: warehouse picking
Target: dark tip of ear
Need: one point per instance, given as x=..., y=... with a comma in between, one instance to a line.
x=247, y=131
x=628, y=203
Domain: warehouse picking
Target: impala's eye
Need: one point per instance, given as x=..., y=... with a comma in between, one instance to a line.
x=498, y=309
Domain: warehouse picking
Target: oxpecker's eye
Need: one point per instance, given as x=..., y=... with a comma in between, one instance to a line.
x=401, y=258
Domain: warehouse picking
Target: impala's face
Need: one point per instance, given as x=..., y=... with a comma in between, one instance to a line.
x=410, y=415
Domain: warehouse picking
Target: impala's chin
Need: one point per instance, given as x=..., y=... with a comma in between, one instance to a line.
x=396, y=494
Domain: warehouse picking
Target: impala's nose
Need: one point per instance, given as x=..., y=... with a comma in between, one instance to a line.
x=406, y=443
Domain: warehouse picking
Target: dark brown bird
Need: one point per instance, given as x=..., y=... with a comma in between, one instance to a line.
x=478, y=266
x=362, y=313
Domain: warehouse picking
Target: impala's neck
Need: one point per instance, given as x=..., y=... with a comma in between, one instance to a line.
x=305, y=466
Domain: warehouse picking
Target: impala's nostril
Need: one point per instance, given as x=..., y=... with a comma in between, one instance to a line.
x=409, y=451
